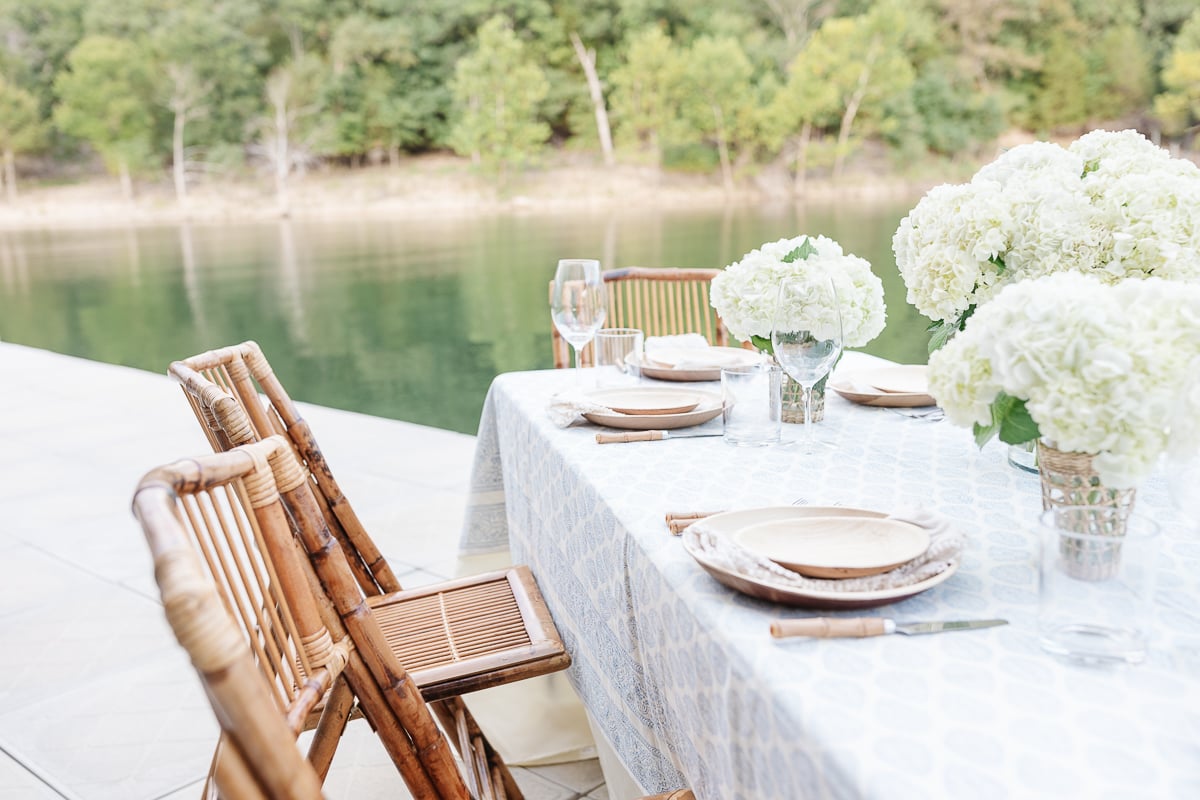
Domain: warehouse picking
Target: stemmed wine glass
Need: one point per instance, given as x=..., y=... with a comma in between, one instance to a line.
x=577, y=303
x=807, y=335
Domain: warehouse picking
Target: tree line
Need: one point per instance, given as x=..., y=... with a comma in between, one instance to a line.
x=197, y=86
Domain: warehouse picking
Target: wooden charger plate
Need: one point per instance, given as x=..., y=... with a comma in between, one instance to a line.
x=645, y=400
x=709, y=406
x=857, y=390
x=665, y=370
x=731, y=521
x=835, y=546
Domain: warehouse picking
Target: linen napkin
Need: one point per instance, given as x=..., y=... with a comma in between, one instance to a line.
x=677, y=344
x=945, y=545
x=568, y=407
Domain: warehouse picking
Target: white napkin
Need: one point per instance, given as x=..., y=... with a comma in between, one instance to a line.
x=568, y=407
x=679, y=341
x=945, y=545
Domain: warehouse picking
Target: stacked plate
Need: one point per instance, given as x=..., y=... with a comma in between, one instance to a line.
x=904, y=386
x=651, y=408
x=819, y=542
x=694, y=363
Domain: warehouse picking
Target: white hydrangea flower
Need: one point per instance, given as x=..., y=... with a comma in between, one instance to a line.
x=746, y=291
x=1112, y=204
x=1103, y=368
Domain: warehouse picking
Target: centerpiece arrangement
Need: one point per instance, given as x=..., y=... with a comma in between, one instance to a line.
x=1096, y=373
x=1111, y=204
x=746, y=292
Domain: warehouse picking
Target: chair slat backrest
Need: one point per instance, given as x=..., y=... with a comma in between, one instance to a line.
x=238, y=503
x=658, y=301
x=264, y=656
x=237, y=374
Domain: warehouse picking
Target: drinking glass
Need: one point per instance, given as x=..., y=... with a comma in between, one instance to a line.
x=807, y=336
x=577, y=303
x=1182, y=463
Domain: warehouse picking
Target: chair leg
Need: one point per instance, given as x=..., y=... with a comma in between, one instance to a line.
x=338, y=706
x=489, y=774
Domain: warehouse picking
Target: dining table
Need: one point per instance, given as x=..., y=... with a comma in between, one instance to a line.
x=684, y=682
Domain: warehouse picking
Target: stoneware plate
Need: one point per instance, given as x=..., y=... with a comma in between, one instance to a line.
x=731, y=521
x=835, y=547
x=708, y=407
x=646, y=400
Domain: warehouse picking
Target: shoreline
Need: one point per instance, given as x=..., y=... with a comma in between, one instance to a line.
x=429, y=187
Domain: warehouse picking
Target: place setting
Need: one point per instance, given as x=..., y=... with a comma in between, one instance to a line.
x=903, y=386
x=823, y=557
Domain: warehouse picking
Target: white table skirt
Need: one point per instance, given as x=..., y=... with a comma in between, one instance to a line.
x=684, y=680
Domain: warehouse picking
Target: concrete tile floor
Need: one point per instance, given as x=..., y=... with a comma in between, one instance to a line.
x=97, y=701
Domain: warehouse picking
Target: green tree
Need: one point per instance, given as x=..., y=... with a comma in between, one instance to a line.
x=106, y=96
x=806, y=102
x=497, y=89
x=953, y=116
x=643, y=96
x=292, y=130
x=1120, y=79
x=210, y=65
x=1061, y=99
x=20, y=130
x=1178, y=106
x=716, y=97
x=865, y=61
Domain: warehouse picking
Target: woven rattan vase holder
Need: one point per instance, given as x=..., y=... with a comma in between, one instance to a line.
x=1070, y=480
x=793, y=401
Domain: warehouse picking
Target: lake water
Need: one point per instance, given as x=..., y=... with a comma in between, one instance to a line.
x=409, y=319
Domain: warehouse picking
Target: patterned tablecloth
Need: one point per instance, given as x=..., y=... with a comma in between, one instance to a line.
x=685, y=681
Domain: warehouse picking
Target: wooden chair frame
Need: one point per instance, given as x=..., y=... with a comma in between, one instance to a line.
x=658, y=300
x=222, y=388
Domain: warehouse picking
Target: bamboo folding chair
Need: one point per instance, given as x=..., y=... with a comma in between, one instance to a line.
x=220, y=528
x=658, y=301
x=455, y=637
x=225, y=510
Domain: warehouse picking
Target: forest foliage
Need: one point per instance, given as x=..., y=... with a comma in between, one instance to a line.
x=203, y=86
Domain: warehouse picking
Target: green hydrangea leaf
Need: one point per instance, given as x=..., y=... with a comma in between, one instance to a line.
x=801, y=253
x=763, y=344
x=1017, y=426
x=983, y=433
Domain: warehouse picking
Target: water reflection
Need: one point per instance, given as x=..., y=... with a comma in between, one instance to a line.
x=403, y=318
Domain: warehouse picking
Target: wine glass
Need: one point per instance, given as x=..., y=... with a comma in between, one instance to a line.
x=577, y=303
x=807, y=335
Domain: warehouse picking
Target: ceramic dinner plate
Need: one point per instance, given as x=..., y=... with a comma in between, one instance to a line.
x=708, y=406
x=730, y=522
x=907, y=387
x=698, y=363
x=837, y=546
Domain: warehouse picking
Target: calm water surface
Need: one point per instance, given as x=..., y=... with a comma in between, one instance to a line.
x=409, y=319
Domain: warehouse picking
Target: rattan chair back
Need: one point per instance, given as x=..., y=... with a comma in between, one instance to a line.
x=658, y=301
x=240, y=375
x=231, y=510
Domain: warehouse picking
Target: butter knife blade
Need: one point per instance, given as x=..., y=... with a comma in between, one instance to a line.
x=918, y=628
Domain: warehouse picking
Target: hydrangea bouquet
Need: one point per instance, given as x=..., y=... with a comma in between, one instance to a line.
x=1111, y=204
x=1086, y=366
x=745, y=293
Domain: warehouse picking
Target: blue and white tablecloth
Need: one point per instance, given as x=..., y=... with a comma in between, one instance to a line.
x=685, y=681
